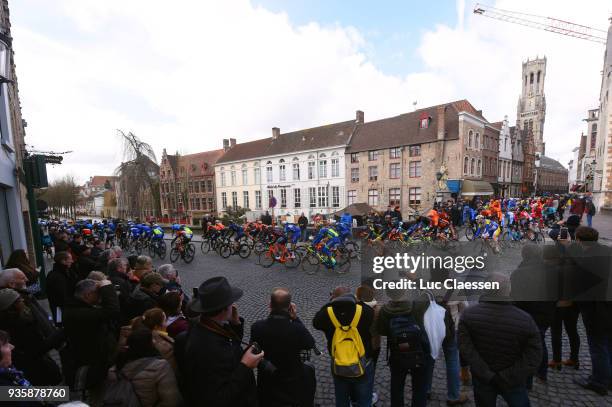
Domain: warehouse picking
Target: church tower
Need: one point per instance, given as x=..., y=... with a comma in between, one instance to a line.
x=531, y=110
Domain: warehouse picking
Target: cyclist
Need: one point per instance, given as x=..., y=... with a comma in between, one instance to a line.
x=175, y=228
x=293, y=233
x=158, y=232
x=487, y=228
x=333, y=240
x=344, y=230
x=186, y=233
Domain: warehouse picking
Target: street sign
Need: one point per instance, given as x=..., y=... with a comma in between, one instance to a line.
x=272, y=202
x=53, y=159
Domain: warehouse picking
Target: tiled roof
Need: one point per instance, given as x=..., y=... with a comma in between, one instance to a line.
x=200, y=163
x=100, y=180
x=551, y=163
x=498, y=125
x=405, y=129
x=316, y=138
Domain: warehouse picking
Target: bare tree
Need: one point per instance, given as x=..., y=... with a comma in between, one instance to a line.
x=139, y=176
x=61, y=197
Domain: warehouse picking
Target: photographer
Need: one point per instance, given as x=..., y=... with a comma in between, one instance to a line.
x=285, y=380
x=215, y=370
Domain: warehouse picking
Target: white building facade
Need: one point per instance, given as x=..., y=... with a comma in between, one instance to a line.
x=504, y=170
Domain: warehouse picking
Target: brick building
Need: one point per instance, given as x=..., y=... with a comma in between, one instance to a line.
x=552, y=177
x=187, y=186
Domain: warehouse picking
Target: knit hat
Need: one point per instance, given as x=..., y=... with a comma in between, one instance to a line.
x=8, y=296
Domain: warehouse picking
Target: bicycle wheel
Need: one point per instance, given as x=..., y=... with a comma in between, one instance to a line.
x=259, y=248
x=343, y=262
x=293, y=260
x=152, y=250
x=225, y=250
x=266, y=259
x=205, y=246
x=189, y=253
x=174, y=255
x=310, y=263
x=244, y=251
x=162, y=249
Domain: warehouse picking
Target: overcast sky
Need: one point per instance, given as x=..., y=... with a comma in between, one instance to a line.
x=183, y=75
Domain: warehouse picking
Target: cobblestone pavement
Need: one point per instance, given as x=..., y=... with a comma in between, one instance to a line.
x=310, y=292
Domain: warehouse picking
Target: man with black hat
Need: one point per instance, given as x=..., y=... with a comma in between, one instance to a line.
x=215, y=369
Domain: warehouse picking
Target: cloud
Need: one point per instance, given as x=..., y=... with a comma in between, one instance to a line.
x=187, y=75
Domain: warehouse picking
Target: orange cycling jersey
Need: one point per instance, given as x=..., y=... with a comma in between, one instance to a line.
x=219, y=226
x=434, y=217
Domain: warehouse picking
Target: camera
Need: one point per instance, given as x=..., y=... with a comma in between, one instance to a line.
x=265, y=366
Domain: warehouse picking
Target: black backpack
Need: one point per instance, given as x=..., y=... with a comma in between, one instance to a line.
x=407, y=343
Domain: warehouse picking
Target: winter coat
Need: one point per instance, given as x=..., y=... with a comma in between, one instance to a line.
x=89, y=333
x=60, y=287
x=155, y=383
x=344, y=312
x=124, y=288
x=499, y=340
x=209, y=363
x=140, y=301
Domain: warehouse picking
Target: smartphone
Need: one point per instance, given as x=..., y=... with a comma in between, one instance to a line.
x=563, y=234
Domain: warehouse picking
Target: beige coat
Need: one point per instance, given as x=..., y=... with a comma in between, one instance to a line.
x=155, y=384
x=161, y=341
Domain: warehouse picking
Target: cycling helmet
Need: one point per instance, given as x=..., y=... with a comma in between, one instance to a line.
x=479, y=217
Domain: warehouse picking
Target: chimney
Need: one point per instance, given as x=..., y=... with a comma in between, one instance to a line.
x=226, y=144
x=275, y=133
x=441, y=123
x=479, y=112
x=359, y=117
x=232, y=142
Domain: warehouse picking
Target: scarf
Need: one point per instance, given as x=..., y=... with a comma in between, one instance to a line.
x=219, y=329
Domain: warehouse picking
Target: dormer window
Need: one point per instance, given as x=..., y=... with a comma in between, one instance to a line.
x=424, y=121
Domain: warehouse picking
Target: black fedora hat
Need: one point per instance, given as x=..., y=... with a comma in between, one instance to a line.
x=215, y=294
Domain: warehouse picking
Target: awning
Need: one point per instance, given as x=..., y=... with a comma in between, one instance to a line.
x=454, y=185
x=355, y=209
x=473, y=188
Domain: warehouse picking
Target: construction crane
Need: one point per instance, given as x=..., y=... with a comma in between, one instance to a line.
x=543, y=23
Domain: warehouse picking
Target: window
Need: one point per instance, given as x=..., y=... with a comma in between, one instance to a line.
x=373, y=197
x=234, y=199
x=414, y=169
x=222, y=180
x=245, y=199
x=196, y=187
x=395, y=152
x=394, y=170
x=245, y=176
x=269, y=172
x=470, y=138
x=479, y=167
x=477, y=141
x=354, y=157
x=351, y=197
x=335, y=167
x=322, y=195
x=424, y=122
x=296, y=171
x=257, y=199
x=281, y=172
x=415, y=151
x=394, y=196
x=372, y=155
x=323, y=169
x=209, y=185
x=335, y=196
x=233, y=177
x=297, y=198
x=311, y=169
x=270, y=196
x=414, y=196
x=312, y=196
x=257, y=176
x=531, y=78
x=373, y=173
x=224, y=200
x=472, y=166
x=283, y=202
x=354, y=174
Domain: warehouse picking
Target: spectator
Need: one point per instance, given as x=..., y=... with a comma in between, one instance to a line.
x=97, y=276
x=75, y=245
x=151, y=376
x=344, y=306
x=117, y=274
x=103, y=258
x=589, y=210
x=97, y=249
x=145, y=296
x=592, y=263
x=61, y=243
x=577, y=207
x=303, y=224
x=173, y=281
x=9, y=375
x=154, y=320
x=365, y=294
x=176, y=322
x=216, y=371
x=117, y=252
x=85, y=262
x=502, y=345
x=19, y=260
x=282, y=336
x=266, y=219
x=396, y=214
x=31, y=345
x=142, y=267
x=60, y=284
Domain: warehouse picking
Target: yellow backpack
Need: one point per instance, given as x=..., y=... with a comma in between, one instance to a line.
x=347, y=348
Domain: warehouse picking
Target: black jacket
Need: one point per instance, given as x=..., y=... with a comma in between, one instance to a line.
x=499, y=340
x=344, y=312
x=140, y=301
x=60, y=287
x=124, y=288
x=61, y=246
x=85, y=265
x=281, y=339
x=303, y=221
x=89, y=333
x=210, y=366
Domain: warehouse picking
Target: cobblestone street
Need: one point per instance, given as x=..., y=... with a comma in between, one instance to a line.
x=310, y=292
